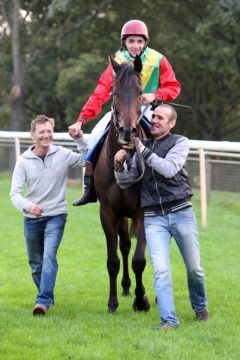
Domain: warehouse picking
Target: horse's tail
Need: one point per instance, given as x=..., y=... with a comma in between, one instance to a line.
x=132, y=230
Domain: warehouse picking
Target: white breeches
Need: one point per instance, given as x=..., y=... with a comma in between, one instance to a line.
x=98, y=130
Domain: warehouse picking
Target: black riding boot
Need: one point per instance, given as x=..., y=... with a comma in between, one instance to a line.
x=89, y=195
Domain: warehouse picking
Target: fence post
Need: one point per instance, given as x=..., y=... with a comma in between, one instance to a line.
x=17, y=147
x=208, y=177
x=203, y=188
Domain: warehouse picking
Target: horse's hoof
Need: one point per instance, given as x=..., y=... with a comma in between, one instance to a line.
x=111, y=311
x=141, y=304
x=112, y=306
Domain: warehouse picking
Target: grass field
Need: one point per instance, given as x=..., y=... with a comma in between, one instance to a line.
x=78, y=325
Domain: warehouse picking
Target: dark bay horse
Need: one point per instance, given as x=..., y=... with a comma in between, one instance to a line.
x=117, y=205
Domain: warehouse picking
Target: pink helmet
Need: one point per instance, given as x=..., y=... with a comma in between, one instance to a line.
x=134, y=27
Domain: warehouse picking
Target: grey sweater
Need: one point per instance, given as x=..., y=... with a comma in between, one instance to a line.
x=45, y=181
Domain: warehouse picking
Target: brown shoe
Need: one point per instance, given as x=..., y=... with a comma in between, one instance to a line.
x=165, y=326
x=40, y=309
x=202, y=315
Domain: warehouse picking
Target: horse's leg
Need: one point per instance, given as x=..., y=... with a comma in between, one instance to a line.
x=109, y=225
x=141, y=302
x=125, y=246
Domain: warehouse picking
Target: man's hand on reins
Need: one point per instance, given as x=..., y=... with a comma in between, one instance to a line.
x=139, y=144
x=119, y=159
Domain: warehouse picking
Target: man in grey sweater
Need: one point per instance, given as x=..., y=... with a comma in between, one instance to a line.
x=166, y=202
x=43, y=170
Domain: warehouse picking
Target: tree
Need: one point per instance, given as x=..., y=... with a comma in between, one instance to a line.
x=55, y=51
x=16, y=95
x=205, y=39
x=36, y=30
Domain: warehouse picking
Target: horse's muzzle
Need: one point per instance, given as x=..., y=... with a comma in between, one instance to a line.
x=126, y=138
x=126, y=144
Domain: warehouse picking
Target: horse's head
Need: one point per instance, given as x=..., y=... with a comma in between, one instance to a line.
x=127, y=91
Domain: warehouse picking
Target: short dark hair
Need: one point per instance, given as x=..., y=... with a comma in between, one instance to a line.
x=41, y=119
x=173, y=113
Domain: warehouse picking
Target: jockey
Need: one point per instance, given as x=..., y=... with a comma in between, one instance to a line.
x=158, y=82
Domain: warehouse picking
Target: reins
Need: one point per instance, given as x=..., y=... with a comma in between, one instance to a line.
x=143, y=112
x=141, y=165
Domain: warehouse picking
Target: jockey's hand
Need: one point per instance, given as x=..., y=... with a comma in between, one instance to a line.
x=75, y=130
x=36, y=210
x=119, y=158
x=147, y=98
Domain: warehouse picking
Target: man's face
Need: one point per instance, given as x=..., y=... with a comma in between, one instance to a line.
x=135, y=45
x=160, y=123
x=43, y=135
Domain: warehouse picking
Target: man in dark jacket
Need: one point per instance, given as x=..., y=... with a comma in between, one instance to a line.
x=166, y=201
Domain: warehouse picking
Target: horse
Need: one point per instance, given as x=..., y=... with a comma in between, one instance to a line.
x=118, y=206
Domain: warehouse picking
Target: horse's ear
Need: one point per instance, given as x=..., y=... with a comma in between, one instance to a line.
x=115, y=65
x=138, y=64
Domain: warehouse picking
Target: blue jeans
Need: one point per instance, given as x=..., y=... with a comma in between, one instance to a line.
x=43, y=236
x=159, y=230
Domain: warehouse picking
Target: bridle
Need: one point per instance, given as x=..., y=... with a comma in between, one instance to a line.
x=129, y=152
x=115, y=119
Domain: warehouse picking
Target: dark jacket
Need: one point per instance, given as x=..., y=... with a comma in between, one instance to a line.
x=165, y=187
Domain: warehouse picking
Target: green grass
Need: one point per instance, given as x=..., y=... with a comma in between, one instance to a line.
x=78, y=325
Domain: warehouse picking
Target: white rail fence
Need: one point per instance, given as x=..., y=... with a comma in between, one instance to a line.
x=211, y=164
